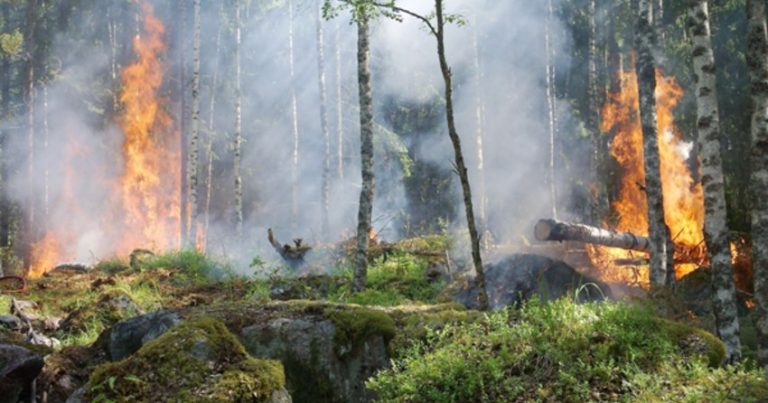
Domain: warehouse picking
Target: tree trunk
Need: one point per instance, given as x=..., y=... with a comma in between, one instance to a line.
x=294, y=124
x=459, y=159
x=599, y=202
x=551, y=113
x=326, y=187
x=46, y=172
x=211, y=118
x=339, y=110
x=661, y=273
x=553, y=230
x=183, y=145
x=479, y=137
x=194, y=129
x=366, y=152
x=715, y=227
x=29, y=95
x=757, y=60
x=238, y=128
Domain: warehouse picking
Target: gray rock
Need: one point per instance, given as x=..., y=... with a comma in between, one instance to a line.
x=10, y=322
x=18, y=369
x=78, y=396
x=316, y=368
x=127, y=337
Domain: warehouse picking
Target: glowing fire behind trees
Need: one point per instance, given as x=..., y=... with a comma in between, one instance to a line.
x=143, y=210
x=683, y=199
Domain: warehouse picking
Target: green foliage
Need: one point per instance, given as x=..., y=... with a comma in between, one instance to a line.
x=111, y=266
x=559, y=351
x=195, y=265
x=393, y=279
x=12, y=43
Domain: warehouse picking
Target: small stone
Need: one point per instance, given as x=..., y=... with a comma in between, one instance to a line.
x=10, y=322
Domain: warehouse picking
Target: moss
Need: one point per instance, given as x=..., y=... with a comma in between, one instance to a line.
x=199, y=360
x=694, y=341
x=354, y=325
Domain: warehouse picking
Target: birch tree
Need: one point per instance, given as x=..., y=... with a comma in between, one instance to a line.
x=195, y=126
x=661, y=272
x=757, y=61
x=238, y=126
x=326, y=176
x=715, y=228
x=294, y=122
x=551, y=112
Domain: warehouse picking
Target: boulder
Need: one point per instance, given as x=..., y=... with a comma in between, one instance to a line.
x=18, y=369
x=10, y=322
x=517, y=278
x=127, y=337
x=197, y=360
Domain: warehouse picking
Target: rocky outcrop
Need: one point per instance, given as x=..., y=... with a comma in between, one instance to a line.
x=127, y=337
x=517, y=278
x=18, y=368
x=197, y=360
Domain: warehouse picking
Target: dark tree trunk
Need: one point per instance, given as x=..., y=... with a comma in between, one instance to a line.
x=29, y=98
x=366, y=152
x=459, y=160
x=553, y=230
x=661, y=272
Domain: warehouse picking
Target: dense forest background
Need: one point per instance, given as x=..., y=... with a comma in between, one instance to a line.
x=62, y=63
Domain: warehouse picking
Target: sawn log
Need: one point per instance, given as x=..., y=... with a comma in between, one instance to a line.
x=552, y=230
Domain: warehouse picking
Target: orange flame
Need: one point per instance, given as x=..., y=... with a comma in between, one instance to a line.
x=683, y=197
x=150, y=148
x=144, y=211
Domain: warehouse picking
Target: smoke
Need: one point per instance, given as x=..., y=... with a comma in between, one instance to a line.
x=83, y=155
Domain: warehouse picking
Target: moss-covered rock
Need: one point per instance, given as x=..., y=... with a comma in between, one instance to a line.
x=111, y=307
x=199, y=360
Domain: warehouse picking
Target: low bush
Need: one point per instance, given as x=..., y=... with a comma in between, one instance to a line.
x=561, y=351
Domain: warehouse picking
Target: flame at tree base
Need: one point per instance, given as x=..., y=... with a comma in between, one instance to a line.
x=683, y=197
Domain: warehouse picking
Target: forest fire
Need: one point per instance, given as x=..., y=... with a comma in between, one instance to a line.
x=150, y=212
x=683, y=199
x=143, y=207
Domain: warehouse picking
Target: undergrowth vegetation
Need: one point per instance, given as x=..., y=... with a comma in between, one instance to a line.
x=563, y=351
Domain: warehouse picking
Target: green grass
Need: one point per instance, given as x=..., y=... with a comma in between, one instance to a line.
x=193, y=264
x=561, y=351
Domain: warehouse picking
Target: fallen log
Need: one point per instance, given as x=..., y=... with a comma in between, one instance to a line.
x=552, y=230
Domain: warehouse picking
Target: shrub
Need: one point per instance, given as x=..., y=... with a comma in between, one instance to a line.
x=560, y=351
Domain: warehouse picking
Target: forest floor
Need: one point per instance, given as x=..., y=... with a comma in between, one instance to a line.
x=262, y=337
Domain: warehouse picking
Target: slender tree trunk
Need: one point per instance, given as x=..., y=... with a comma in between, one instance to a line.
x=238, y=127
x=326, y=187
x=46, y=171
x=459, y=159
x=551, y=113
x=294, y=123
x=192, y=163
x=112, y=33
x=211, y=125
x=757, y=60
x=366, y=152
x=339, y=110
x=479, y=137
x=660, y=267
x=658, y=20
x=29, y=95
x=715, y=227
x=184, y=138
x=599, y=194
